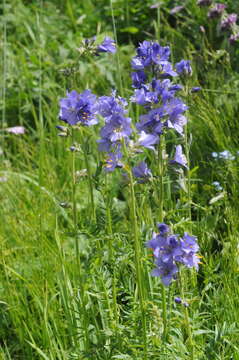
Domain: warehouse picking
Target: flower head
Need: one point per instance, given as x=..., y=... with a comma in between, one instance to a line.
x=179, y=157
x=108, y=45
x=183, y=67
x=216, y=10
x=228, y=22
x=79, y=108
x=142, y=172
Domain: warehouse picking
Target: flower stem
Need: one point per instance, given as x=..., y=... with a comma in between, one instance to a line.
x=139, y=272
x=161, y=218
x=78, y=261
x=111, y=253
x=89, y=177
x=187, y=321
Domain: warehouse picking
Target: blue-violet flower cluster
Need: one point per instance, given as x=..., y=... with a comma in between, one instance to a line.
x=170, y=251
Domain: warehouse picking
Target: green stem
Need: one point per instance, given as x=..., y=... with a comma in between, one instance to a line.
x=89, y=177
x=117, y=53
x=111, y=253
x=161, y=218
x=78, y=261
x=139, y=272
x=187, y=321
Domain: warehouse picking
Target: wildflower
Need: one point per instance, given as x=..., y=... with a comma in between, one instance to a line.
x=178, y=300
x=142, y=172
x=17, y=130
x=166, y=271
x=108, y=45
x=228, y=22
x=113, y=161
x=150, y=53
x=183, y=67
x=216, y=10
x=147, y=140
x=169, y=251
x=234, y=38
x=79, y=108
x=138, y=78
x=179, y=157
x=196, y=89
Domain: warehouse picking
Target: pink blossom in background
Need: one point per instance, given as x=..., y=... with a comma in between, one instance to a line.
x=17, y=130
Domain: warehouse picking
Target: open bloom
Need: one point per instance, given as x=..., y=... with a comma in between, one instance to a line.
x=142, y=172
x=108, y=45
x=179, y=157
x=78, y=108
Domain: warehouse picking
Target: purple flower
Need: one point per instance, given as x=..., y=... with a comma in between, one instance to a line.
x=118, y=128
x=142, y=172
x=144, y=97
x=138, y=78
x=216, y=10
x=196, y=89
x=179, y=157
x=234, y=38
x=204, y=2
x=174, y=110
x=108, y=45
x=150, y=53
x=189, y=248
x=17, y=130
x=79, y=108
x=163, y=228
x=170, y=250
x=178, y=300
x=183, y=67
x=151, y=122
x=228, y=22
x=165, y=270
x=147, y=140
x=113, y=161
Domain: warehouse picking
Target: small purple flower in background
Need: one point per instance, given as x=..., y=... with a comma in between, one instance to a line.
x=183, y=67
x=178, y=300
x=195, y=89
x=108, y=45
x=204, y=2
x=234, y=38
x=176, y=9
x=179, y=157
x=216, y=11
x=228, y=22
x=79, y=108
x=142, y=172
x=17, y=130
x=169, y=251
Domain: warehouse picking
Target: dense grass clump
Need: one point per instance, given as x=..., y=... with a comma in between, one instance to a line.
x=75, y=265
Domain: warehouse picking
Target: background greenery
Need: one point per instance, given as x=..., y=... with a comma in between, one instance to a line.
x=39, y=292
